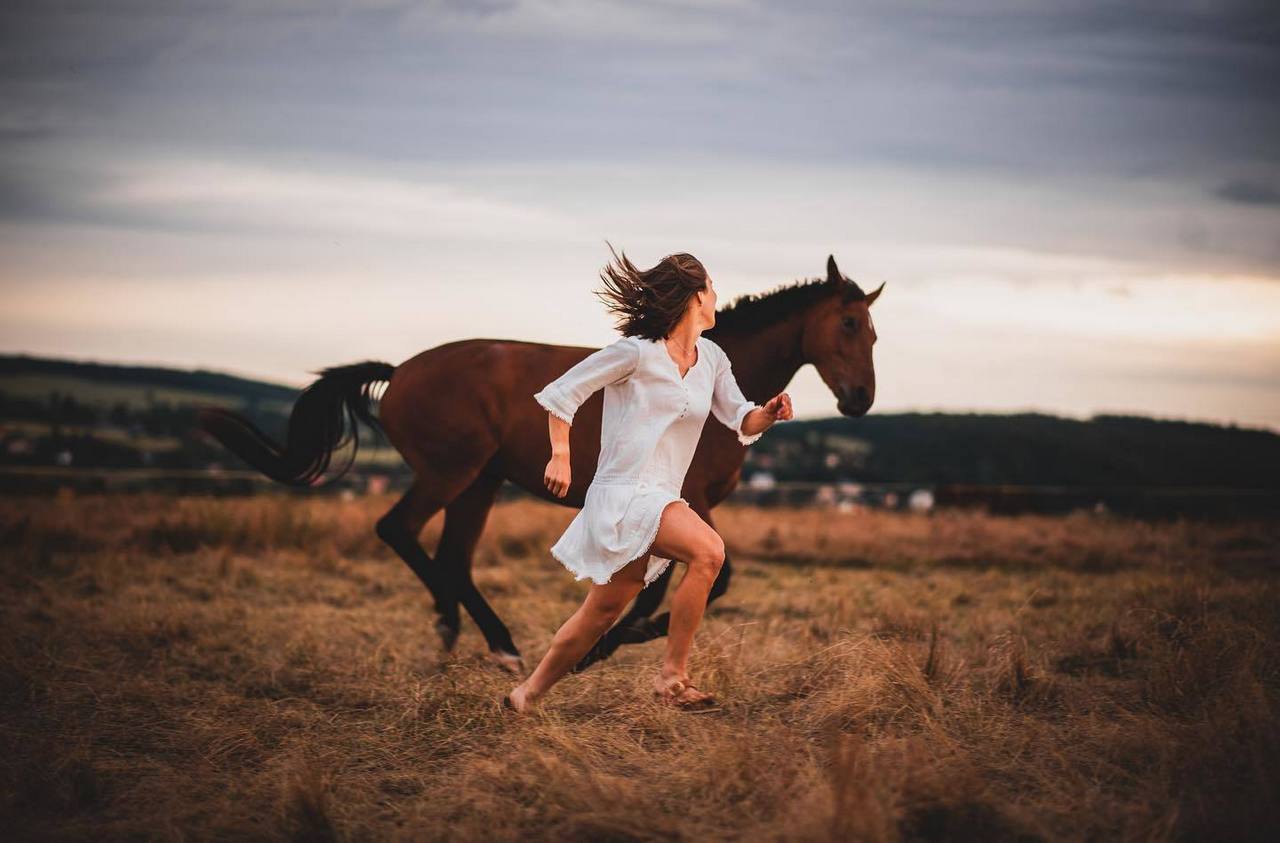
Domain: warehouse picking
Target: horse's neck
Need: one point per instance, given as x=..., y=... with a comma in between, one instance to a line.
x=765, y=360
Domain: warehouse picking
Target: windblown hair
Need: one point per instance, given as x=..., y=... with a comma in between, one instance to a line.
x=648, y=303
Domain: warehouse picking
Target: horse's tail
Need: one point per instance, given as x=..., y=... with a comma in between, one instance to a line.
x=317, y=425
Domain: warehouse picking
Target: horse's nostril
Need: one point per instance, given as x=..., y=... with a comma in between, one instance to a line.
x=860, y=394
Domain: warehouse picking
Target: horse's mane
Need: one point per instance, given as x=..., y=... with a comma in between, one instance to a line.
x=752, y=311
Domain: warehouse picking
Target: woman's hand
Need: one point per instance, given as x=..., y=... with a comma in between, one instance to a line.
x=778, y=407
x=557, y=476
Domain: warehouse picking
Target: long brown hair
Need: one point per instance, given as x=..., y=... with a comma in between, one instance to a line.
x=649, y=303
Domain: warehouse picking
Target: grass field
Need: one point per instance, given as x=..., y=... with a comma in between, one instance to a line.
x=262, y=668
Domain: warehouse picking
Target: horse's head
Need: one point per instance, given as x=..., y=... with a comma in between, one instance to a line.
x=838, y=336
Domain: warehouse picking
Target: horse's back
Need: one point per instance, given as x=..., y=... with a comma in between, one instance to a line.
x=474, y=398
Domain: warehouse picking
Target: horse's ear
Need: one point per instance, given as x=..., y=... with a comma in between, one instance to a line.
x=874, y=294
x=834, y=278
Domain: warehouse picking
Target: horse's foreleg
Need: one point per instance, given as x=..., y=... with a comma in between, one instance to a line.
x=637, y=626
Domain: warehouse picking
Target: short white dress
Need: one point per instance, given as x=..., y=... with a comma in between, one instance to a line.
x=650, y=426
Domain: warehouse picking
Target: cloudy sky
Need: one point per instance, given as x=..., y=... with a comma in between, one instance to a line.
x=1075, y=206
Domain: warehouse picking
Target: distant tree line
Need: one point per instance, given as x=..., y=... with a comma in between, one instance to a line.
x=926, y=448
x=1026, y=449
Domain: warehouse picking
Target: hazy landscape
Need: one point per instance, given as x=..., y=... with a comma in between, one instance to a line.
x=263, y=668
x=1007, y=274
x=66, y=423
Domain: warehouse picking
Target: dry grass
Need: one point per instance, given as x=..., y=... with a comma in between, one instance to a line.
x=264, y=669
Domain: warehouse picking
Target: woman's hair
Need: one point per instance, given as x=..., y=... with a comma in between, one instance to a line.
x=649, y=303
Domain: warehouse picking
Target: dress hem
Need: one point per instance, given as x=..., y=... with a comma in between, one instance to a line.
x=653, y=534
x=648, y=544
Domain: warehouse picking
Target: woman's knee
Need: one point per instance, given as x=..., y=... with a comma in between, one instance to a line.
x=708, y=557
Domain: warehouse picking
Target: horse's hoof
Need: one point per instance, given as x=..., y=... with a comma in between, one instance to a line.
x=448, y=635
x=509, y=662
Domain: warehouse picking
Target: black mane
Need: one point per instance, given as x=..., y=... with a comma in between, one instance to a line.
x=752, y=311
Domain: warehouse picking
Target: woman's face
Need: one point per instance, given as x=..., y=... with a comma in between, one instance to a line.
x=707, y=303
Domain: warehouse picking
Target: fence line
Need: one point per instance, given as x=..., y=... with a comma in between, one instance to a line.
x=842, y=496
x=782, y=485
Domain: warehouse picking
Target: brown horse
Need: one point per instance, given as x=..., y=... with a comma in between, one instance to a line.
x=463, y=416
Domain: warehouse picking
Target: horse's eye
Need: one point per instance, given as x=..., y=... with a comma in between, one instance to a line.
x=851, y=322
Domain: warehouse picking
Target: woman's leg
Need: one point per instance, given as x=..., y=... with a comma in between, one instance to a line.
x=582, y=630
x=684, y=535
x=687, y=606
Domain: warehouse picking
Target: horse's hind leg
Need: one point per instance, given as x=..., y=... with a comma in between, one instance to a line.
x=400, y=528
x=464, y=521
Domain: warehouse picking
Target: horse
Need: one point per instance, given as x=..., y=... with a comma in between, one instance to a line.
x=463, y=416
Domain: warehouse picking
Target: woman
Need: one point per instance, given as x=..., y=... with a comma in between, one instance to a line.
x=660, y=380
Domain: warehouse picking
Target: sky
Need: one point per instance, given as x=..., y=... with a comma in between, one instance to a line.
x=1074, y=207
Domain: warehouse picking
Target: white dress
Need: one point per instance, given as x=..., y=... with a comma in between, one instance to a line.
x=650, y=426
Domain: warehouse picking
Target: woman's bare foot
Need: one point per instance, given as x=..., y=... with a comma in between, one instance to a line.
x=519, y=699
x=678, y=690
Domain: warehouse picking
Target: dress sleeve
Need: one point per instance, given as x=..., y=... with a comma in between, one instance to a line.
x=611, y=364
x=727, y=402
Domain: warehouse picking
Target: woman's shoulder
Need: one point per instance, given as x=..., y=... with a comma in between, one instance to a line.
x=635, y=345
x=632, y=346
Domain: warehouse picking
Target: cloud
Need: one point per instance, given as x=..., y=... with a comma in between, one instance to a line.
x=1003, y=165
x=1247, y=192
x=235, y=197
x=1035, y=91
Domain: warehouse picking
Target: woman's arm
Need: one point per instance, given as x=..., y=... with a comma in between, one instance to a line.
x=745, y=418
x=611, y=364
x=562, y=397
x=557, y=476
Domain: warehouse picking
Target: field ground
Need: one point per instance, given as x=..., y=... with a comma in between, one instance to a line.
x=263, y=668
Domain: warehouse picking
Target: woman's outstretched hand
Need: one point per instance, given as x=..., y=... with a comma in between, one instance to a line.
x=557, y=476
x=779, y=407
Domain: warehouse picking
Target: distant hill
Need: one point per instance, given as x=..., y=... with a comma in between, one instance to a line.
x=26, y=375
x=1040, y=449
x=144, y=415
x=101, y=415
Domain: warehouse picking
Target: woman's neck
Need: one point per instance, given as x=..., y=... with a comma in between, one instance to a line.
x=684, y=335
